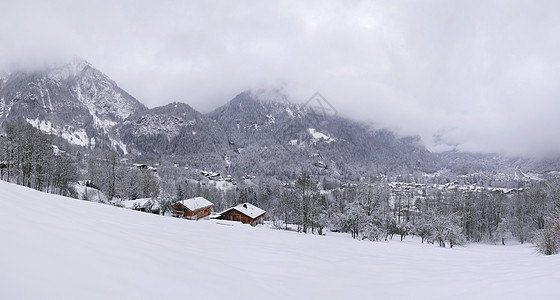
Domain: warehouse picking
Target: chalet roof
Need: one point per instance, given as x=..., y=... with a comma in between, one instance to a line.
x=247, y=209
x=196, y=203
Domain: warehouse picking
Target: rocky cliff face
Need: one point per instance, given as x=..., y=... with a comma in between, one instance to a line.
x=72, y=100
x=173, y=129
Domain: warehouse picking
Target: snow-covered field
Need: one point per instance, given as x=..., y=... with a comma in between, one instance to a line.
x=58, y=248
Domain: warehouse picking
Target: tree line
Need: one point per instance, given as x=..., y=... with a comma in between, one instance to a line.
x=371, y=210
x=368, y=209
x=29, y=157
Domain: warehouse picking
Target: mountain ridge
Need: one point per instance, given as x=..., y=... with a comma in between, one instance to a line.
x=256, y=132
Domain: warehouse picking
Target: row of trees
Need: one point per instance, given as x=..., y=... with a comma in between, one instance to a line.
x=28, y=157
x=370, y=210
x=367, y=210
x=106, y=172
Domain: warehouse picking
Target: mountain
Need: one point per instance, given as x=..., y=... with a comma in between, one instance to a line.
x=255, y=133
x=262, y=133
x=73, y=100
x=270, y=135
x=259, y=133
x=175, y=129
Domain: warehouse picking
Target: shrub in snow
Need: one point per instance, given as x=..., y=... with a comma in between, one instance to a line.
x=404, y=229
x=373, y=232
x=445, y=229
x=423, y=229
x=336, y=221
x=502, y=233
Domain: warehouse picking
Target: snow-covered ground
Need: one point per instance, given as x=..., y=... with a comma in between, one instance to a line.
x=92, y=194
x=58, y=248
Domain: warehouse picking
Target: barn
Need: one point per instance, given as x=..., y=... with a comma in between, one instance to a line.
x=246, y=213
x=193, y=208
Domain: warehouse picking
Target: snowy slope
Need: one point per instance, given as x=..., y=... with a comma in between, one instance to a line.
x=60, y=248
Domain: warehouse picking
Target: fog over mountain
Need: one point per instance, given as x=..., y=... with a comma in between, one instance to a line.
x=257, y=132
x=468, y=75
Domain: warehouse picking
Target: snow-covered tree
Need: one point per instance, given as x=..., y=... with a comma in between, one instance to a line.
x=547, y=239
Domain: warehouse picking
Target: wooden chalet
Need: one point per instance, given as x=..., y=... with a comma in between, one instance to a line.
x=193, y=209
x=245, y=213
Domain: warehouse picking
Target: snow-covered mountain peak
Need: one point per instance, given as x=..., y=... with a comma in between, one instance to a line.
x=77, y=101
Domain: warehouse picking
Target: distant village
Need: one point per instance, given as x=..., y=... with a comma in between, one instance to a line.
x=403, y=196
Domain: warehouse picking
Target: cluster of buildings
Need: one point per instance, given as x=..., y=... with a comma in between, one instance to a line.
x=423, y=189
x=200, y=208
x=405, y=195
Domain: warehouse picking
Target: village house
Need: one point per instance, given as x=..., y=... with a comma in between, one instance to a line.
x=245, y=213
x=146, y=167
x=193, y=209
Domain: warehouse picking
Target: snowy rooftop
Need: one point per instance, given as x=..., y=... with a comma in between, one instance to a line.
x=196, y=203
x=132, y=204
x=248, y=209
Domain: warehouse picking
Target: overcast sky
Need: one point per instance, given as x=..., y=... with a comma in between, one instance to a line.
x=478, y=75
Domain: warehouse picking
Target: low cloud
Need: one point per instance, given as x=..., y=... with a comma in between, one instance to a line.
x=467, y=75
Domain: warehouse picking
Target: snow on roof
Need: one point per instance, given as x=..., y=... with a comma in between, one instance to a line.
x=196, y=203
x=132, y=204
x=248, y=209
x=319, y=135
